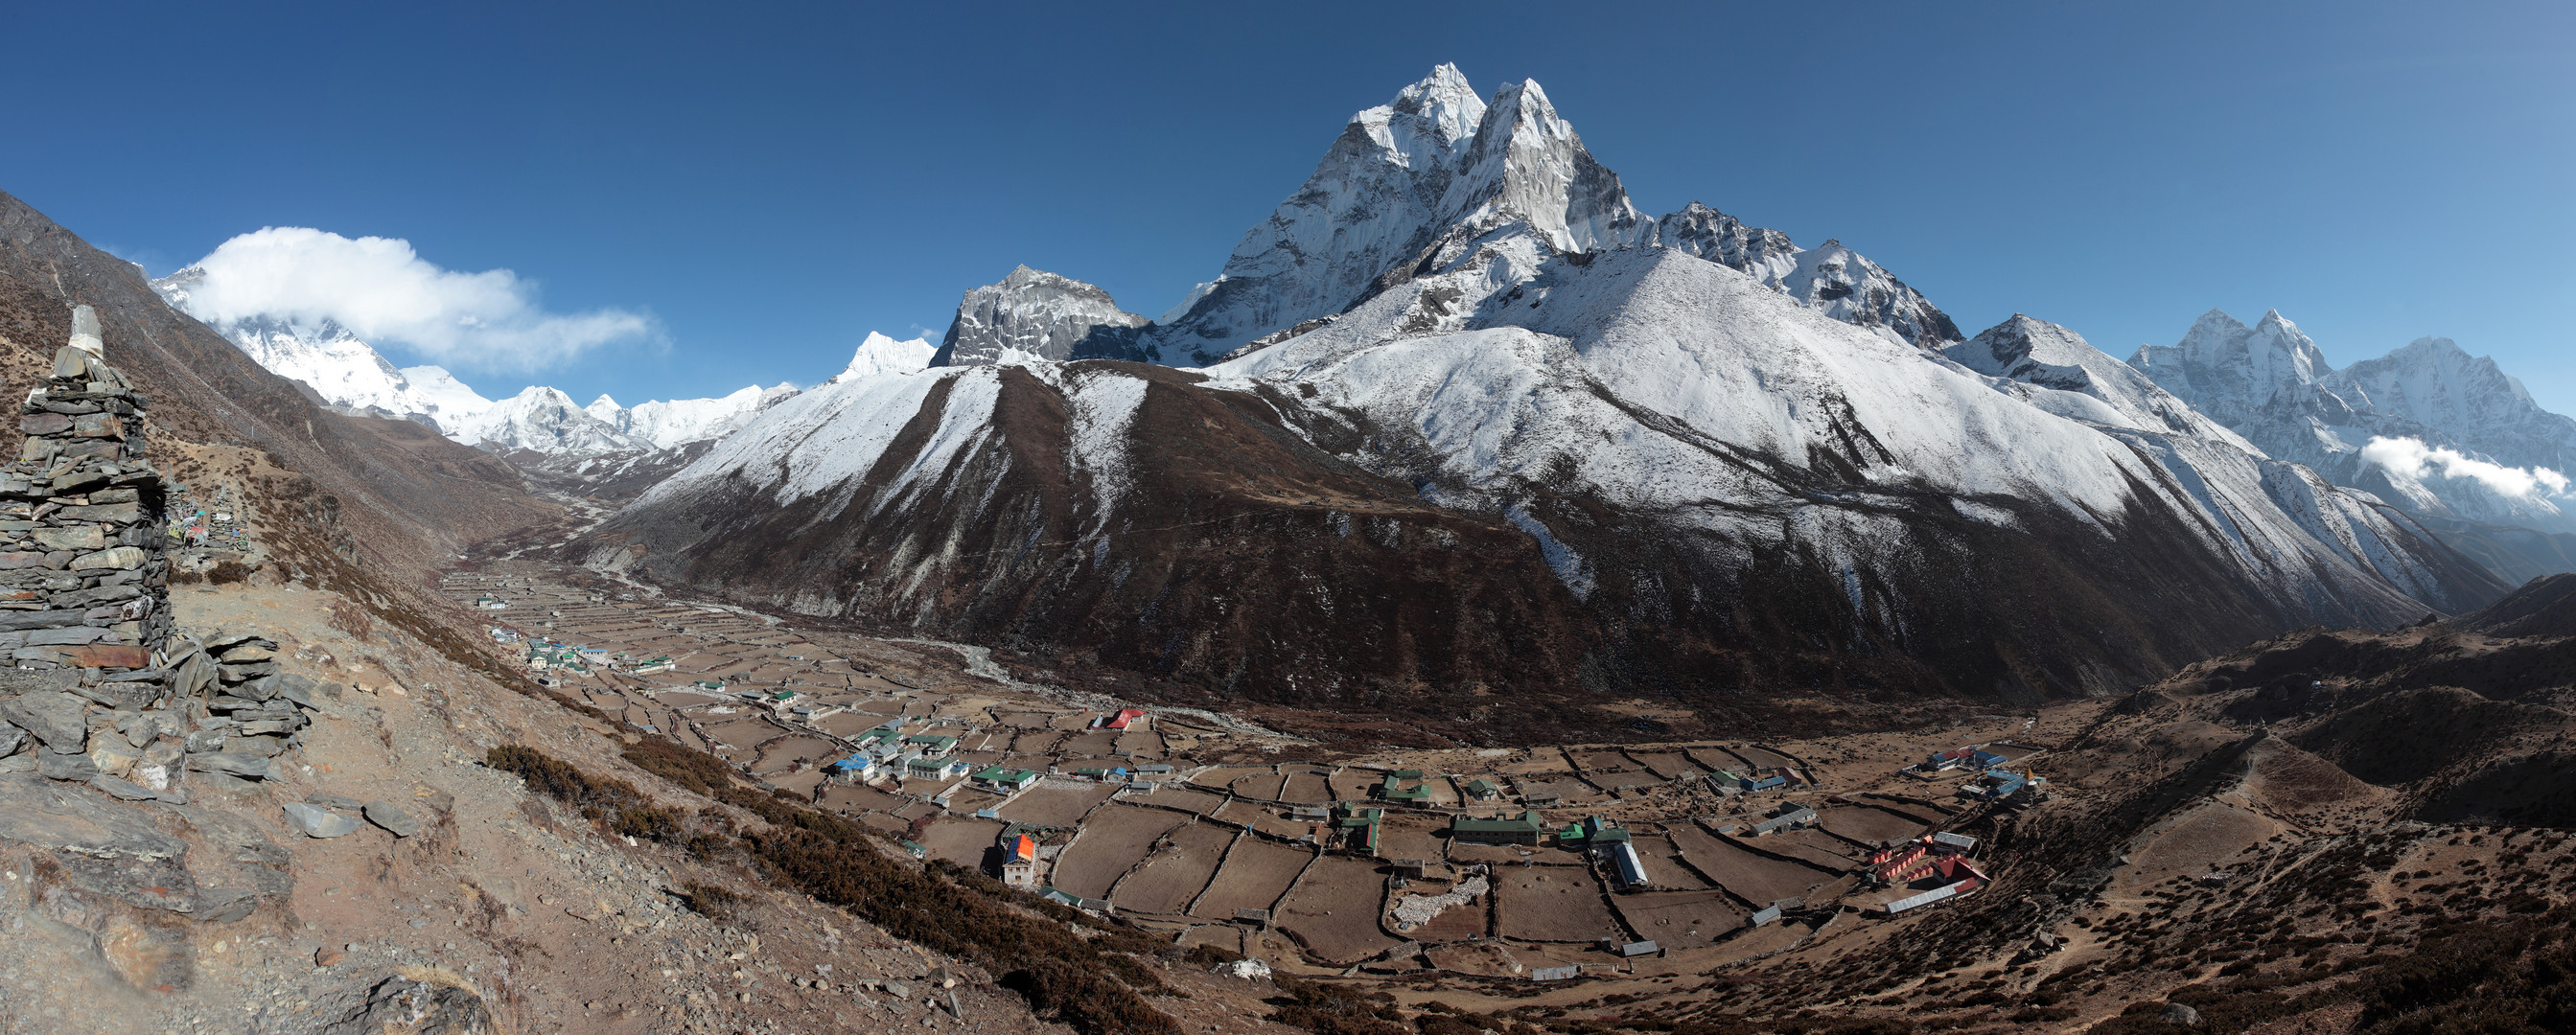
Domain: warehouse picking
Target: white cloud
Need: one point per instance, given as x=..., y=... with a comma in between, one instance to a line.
x=2413, y=459
x=382, y=291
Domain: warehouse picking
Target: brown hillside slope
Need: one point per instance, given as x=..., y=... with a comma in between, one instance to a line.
x=388, y=496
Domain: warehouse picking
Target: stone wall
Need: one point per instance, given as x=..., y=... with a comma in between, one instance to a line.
x=84, y=572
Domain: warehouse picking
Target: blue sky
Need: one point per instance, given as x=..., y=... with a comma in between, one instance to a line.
x=769, y=182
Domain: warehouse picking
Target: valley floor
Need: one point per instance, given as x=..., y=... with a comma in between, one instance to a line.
x=2173, y=849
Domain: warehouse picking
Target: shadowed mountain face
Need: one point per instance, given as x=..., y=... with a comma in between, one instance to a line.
x=386, y=494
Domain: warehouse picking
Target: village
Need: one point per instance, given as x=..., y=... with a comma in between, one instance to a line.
x=1534, y=864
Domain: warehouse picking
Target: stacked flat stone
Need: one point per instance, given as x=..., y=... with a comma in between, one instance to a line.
x=251, y=711
x=83, y=556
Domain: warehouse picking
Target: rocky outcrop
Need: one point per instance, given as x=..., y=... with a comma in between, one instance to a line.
x=1038, y=314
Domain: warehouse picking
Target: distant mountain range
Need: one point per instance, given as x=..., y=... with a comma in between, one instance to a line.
x=2457, y=437
x=349, y=374
x=1463, y=420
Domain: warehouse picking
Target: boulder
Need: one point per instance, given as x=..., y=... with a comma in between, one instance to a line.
x=103, y=847
x=77, y=537
x=225, y=905
x=427, y=1003
x=53, y=716
x=2179, y=1013
x=316, y=821
x=264, y=746
x=193, y=673
x=386, y=815
x=13, y=740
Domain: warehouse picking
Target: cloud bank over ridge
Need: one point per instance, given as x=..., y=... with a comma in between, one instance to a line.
x=383, y=291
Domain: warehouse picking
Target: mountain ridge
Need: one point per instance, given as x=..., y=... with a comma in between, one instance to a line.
x=1678, y=478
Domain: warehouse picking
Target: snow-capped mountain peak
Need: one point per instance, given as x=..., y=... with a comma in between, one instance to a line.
x=545, y=420
x=2369, y=425
x=1526, y=164
x=880, y=354
x=1032, y=311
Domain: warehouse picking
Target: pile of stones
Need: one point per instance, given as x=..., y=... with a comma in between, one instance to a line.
x=217, y=716
x=247, y=712
x=83, y=577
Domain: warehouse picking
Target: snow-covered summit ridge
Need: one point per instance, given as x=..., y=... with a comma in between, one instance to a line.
x=1418, y=185
x=880, y=354
x=2428, y=425
x=2067, y=376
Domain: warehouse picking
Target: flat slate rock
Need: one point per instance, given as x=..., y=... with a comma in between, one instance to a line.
x=123, y=789
x=225, y=762
x=54, y=765
x=386, y=815
x=316, y=821
x=341, y=802
x=53, y=716
x=100, y=846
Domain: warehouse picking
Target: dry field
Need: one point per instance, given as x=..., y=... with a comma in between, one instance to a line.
x=1306, y=789
x=1681, y=919
x=1663, y=868
x=1815, y=846
x=1715, y=758
x=1221, y=779
x=786, y=751
x=1254, y=875
x=1113, y=840
x=1869, y=825
x=1055, y=806
x=1335, y=909
x=961, y=841
x=1763, y=756
x=1171, y=878
x=1551, y=904
x=1757, y=879
x=1262, y=786
x=1671, y=765
x=1093, y=743
x=1413, y=837
x=1200, y=802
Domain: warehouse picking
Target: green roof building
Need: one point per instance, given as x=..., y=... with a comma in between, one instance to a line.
x=1526, y=830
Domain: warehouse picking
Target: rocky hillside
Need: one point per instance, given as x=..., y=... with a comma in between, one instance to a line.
x=1548, y=455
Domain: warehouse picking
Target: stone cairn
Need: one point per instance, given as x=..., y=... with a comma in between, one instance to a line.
x=84, y=581
x=114, y=697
